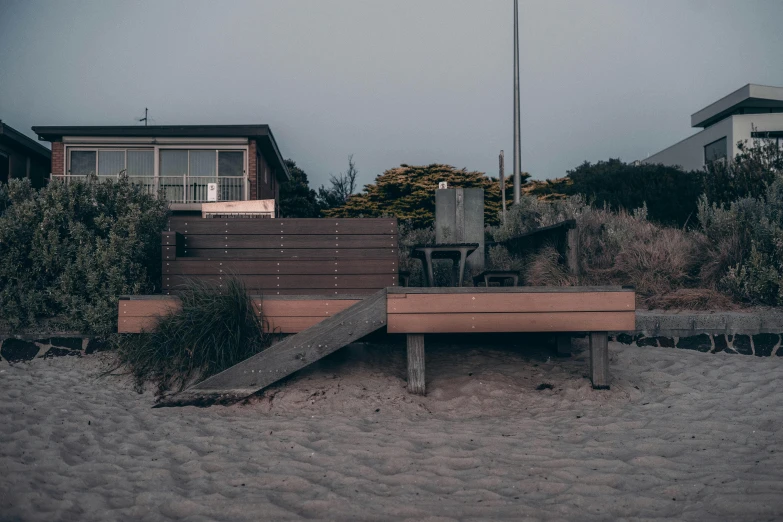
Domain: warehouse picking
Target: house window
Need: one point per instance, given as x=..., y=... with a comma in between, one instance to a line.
x=715, y=150
x=231, y=163
x=83, y=162
x=112, y=163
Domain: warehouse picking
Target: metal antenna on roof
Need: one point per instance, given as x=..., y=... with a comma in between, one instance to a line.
x=145, y=118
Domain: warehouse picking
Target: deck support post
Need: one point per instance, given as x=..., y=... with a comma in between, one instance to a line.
x=599, y=360
x=416, y=364
x=563, y=341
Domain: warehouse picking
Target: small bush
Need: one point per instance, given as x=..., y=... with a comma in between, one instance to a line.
x=68, y=251
x=213, y=330
x=747, y=175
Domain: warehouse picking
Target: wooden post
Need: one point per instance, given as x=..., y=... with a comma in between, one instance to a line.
x=563, y=345
x=599, y=360
x=572, y=251
x=416, y=364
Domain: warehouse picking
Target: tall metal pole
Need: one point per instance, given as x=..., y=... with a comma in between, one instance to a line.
x=517, y=152
x=502, y=171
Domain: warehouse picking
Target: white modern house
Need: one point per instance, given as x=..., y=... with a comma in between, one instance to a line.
x=753, y=112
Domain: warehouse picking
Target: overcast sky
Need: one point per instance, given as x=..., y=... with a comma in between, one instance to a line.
x=403, y=81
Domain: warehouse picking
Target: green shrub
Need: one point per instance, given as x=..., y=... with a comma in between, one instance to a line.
x=213, y=330
x=746, y=238
x=669, y=193
x=747, y=175
x=69, y=250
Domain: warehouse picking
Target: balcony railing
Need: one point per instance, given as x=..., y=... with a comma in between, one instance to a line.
x=183, y=189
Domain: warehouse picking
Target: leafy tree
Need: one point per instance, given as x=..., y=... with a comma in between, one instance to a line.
x=297, y=199
x=408, y=192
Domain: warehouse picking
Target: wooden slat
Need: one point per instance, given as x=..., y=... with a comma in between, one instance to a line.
x=512, y=322
x=274, y=282
x=136, y=324
x=278, y=241
x=288, y=325
x=510, y=290
x=188, y=224
x=202, y=266
x=281, y=316
x=531, y=302
x=151, y=308
x=292, y=353
x=293, y=292
x=272, y=324
x=292, y=253
x=310, y=307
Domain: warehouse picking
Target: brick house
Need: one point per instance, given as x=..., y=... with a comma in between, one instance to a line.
x=180, y=162
x=21, y=157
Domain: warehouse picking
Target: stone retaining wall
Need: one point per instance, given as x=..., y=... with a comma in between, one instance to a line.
x=756, y=332
x=14, y=350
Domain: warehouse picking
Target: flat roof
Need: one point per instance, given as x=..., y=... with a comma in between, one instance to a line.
x=750, y=96
x=9, y=134
x=260, y=132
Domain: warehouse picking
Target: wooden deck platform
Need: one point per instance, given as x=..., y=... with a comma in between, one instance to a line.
x=322, y=325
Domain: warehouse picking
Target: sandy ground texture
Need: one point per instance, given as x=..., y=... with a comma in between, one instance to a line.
x=680, y=435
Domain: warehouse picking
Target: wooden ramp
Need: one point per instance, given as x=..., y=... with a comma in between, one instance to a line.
x=289, y=355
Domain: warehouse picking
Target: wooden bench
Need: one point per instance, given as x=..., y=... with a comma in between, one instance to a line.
x=287, y=314
x=595, y=310
x=283, y=256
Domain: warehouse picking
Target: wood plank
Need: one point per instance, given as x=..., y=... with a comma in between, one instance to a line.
x=291, y=354
x=271, y=307
x=191, y=224
x=202, y=266
x=274, y=282
x=128, y=308
x=292, y=253
x=498, y=302
x=512, y=322
x=311, y=307
x=278, y=241
x=332, y=293
x=288, y=325
x=139, y=324
x=509, y=290
x=416, y=381
x=599, y=360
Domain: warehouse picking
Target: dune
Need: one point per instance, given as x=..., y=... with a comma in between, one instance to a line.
x=680, y=434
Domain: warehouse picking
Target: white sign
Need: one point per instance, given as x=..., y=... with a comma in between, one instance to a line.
x=443, y=185
x=211, y=191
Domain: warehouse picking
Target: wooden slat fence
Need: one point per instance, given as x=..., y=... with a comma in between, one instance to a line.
x=283, y=256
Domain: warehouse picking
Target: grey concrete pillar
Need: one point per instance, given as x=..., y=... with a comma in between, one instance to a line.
x=459, y=218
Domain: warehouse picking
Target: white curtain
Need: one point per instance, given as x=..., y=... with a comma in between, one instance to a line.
x=141, y=163
x=111, y=162
x=202, y=163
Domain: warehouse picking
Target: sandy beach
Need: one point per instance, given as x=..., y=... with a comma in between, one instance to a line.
x=681, y=434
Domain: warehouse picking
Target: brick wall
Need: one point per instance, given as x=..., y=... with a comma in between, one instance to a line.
x=252, y=169
x=58, y=158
